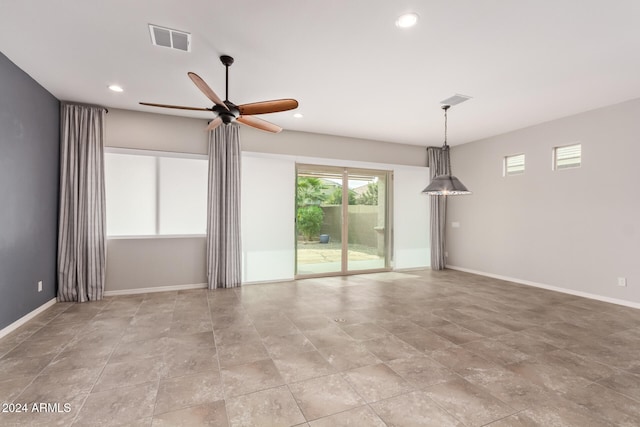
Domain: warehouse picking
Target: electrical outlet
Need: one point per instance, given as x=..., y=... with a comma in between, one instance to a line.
x=455, y=224
x=40, y=286
x=622, y=281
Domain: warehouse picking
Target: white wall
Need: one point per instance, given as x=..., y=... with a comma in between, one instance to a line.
x=572, y=229
x=411, y=218
x=268, y=234
x=268, y=215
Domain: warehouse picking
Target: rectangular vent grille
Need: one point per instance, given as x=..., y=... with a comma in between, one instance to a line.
x=513, y=165
x=569, y=156
x=455, y=99
x=173, y=39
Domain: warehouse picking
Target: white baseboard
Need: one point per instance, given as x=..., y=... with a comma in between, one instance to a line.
x=549, y=287
x=24, y=319
x=154, y=289
x=266, y=282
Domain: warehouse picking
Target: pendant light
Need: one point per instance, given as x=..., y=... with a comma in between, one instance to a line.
x=446, y=184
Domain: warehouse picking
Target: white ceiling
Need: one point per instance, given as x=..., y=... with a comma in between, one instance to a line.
x=352, y=70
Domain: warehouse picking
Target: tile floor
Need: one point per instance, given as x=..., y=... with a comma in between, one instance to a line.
x=387, y=349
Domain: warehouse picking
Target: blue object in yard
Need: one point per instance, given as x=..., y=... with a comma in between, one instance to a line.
x=324, y=238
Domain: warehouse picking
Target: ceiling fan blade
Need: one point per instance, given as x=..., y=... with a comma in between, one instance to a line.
x=259, y=124
x=197, y=80
x=179, y=107
x=265, y=107
x=214, y=124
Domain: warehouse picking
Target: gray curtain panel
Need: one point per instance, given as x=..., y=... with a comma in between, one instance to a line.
x=82, y=218
x=438, y=165
x=224, y=266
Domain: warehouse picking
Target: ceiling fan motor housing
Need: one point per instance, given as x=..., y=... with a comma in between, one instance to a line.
x=229, y=115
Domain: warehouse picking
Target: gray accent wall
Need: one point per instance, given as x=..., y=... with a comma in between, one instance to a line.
x=29, y=151
x=575, y=229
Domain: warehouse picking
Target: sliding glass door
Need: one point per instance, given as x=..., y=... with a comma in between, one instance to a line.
x=342, y=220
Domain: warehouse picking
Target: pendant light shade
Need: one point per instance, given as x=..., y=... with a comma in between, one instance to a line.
x=446, y=184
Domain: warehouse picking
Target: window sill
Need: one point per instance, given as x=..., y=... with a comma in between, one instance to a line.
x=158, y=236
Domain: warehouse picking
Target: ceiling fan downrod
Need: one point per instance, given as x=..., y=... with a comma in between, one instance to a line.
x=226, y=61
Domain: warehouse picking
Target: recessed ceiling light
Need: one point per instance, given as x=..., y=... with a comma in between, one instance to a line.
x=407, y=20
x=298, y=115
x=116, y=88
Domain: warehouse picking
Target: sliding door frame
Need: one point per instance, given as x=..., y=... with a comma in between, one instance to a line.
x=344, y=172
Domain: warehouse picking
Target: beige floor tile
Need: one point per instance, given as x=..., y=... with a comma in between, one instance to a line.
x=124, y=374
x=22, y=366
x=425, y=341
x=302, y=366
x=526, y=343
x=365, y=331
x=349, y=356
x=462, y=361
x=242, y=353
x=189, y=326
x=485, y=327
x=212, y=414
x=328, y=337
x=266, y=408
x=456, y=334
x=60, y=386
x=38, y=346
x=553, y=377
x=275, y=327
x=512, y=389
x=495, y=351
x=390, y=347
x=244, y=379
x=362, y=416
x=323, y=396
x=190, y=361
x=11, y=388
x=377, y=382
x=625, y=383
x=136, y=350
x=106, y=408
x=577, y=364
x=428, y=320
x=400, y=325
x=468, y=403
x=414, y=409
x=188, y=390
x=613, y=407
x=421, y=371
x=281, y=345
x=77, y=359
x=556, y=414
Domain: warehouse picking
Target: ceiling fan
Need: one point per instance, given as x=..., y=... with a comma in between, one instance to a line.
x=227, y=112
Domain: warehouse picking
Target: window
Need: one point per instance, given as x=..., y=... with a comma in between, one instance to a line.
x=153, y=193
x=513, y=165
x=569, y=156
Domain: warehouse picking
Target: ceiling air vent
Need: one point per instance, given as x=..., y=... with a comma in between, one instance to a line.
x=455, y=100
x=167, y=37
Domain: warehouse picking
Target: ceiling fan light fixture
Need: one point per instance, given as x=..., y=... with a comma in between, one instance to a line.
x=407, y=20
x=116, y=88
x=298, y=115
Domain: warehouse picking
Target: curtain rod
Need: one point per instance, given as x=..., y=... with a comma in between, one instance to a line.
x=84, y=105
